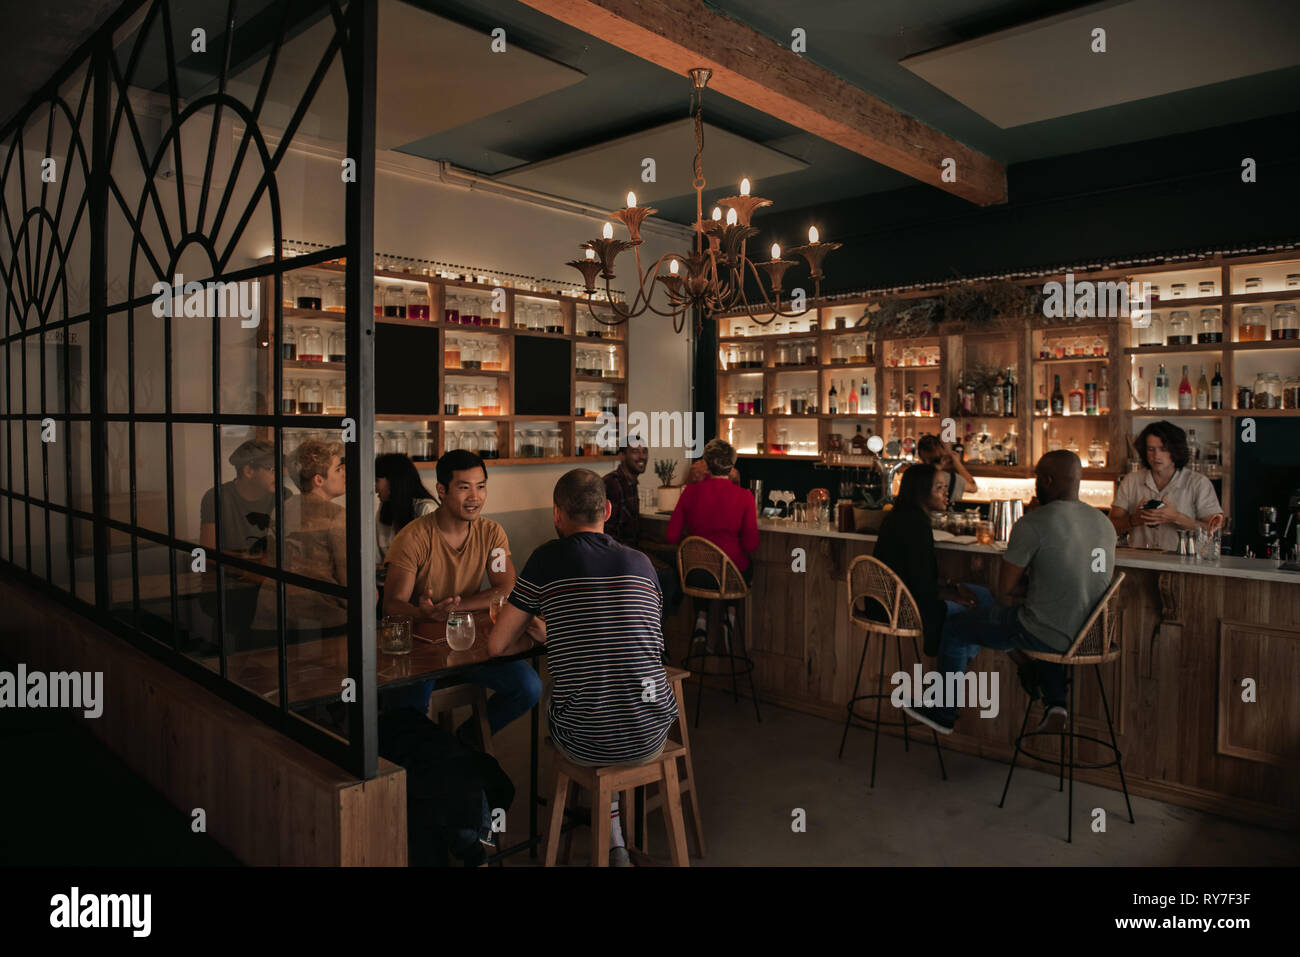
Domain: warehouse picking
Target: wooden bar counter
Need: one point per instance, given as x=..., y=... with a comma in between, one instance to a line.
x=1192, y=633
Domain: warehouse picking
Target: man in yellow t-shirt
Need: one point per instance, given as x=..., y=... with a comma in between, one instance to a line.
x=436, y=565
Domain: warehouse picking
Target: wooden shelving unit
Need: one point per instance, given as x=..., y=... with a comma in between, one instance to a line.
x=507, y=426
x=1018, y=343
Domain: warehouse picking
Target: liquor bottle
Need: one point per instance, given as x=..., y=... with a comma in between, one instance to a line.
x=853, y=397
x=893, y=402
x=1160, y=400
x=1186, y=398
x=925, y=399
x=1193, y=451
x=1203, y=390
x=1216, y=389
x=1103, y=394
x=832, y=403
x=1076, y=399
x=1009, y=392
x=909, y=401
x=1141, y=395
x=995, y=403
x=1058, y=400
x=968, y=398
x=864, y=398
x=859, y=443
x=1090, y=396
x=1041, y=405
x=1013, y=446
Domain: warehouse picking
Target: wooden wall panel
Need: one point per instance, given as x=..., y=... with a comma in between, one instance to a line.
x=1266, y=729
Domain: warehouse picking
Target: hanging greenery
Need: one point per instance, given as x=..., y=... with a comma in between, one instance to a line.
x=973, y=304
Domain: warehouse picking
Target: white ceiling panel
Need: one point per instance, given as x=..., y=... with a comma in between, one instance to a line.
x=1047, y=69
x=602, y=174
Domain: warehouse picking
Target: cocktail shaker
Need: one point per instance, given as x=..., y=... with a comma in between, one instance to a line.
x=756, y=486
x=1003, y=514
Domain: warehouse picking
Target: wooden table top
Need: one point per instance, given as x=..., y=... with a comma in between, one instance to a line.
x=316, y=669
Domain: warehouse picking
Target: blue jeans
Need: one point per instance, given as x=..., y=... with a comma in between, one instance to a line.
x=516, y=686
x=989, y=625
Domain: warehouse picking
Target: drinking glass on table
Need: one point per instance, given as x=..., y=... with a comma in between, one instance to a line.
x=460, y=632
x=395, y=635
x=984, y=533
x=494, y=607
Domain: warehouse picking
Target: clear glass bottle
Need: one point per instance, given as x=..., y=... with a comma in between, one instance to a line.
x=609, y=402
x=336, y=396
x=1098, y=346
x=554, y=321
x=1251, y=326
x=395, y=302
x=311, y=397
x=1180, y=328
x=1285, y=324
x=1153, y=333
x=417, y=303
x=491, y=357
x=451, y=353
x=471, y=354
x=1291, y=392
x=858, y=353
x=309, y=293
x=451, y=307
x=335, y=296
x=487, y=445
x=489, y=403
x=336, y=346
x=839, y=352
x=612, y=367
x=288, y=288
x=1211, y=325
x=311, y=345
x=469, y=396
x=289, y=397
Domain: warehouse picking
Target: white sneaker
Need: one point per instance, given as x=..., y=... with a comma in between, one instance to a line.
x=1055, y=721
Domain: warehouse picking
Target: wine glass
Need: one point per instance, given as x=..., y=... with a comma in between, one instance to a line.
x=460, y=632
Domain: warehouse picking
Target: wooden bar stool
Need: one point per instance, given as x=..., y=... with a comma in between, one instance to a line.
x=603, y=783
x=686, y=776
x=1096, y=644
x=696, y=553
x=870, y=579
x=444, y=701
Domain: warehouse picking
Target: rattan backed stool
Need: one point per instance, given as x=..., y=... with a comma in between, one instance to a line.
x=1096, y=644
x=700, y=553
x=871, y=579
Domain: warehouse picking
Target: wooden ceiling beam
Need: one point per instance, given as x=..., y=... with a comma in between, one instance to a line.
x=755, y=70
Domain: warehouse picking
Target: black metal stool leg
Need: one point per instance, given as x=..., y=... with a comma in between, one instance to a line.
x=749, y=665
x=880, y=696
x=1114, y=744
x=937, y=748
x=907, y=742
x=848, y=721
x=1016, y=756
x=1069, y=727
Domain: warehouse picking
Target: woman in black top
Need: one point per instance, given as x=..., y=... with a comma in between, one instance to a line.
x=906, y=545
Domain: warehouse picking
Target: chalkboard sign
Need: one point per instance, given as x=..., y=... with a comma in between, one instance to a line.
x=406, y=370
x=543, y=376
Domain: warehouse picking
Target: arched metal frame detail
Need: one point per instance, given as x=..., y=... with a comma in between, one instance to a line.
x=40, y=229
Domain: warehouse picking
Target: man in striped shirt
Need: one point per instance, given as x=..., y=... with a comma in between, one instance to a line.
x=611, y=702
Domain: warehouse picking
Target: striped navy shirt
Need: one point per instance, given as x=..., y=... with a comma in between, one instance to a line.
x=611, y=702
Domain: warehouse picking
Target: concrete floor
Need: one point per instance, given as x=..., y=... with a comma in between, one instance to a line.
x=752, y=778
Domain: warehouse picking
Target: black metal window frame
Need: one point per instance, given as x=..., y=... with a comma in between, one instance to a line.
x=27, y=289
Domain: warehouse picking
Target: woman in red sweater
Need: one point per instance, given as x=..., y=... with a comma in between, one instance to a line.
x=724, y=513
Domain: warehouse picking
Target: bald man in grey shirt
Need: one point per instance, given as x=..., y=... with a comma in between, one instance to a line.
x=1057, y=565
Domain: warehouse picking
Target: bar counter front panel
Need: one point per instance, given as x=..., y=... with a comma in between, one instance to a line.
x=1190, y=634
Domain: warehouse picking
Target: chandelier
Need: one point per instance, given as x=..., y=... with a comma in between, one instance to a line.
x=711, y=278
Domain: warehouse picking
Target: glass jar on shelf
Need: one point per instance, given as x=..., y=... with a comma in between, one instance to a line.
x=1285, y=324
x=592, y=405
x=423, y=448
x=469, y=441
x=395, y=441
x=783, y=354
x=612, y=367
x=1268, y=391
x=491, y=357
x=311, y=345
x=1079, y=348
x=1251, y=326
x=1211, y=325
x=857, y=350
x=487, y=444
x=395, y=302
x=451, y=307
x=779, y=405
x=451, y=353
x=450, y=440
x=536, y=319
x=1180, y=328
x=909, y=356
x=609, y=402
x=1291, y=392
x=757, y=356
x=336, y=396
x=469, y=400
x=1057, y=349
x=309, y=293
x=289, y=344
x=729, y=404
x=471, y=354
x=554, y=444
x=496, y=319
x=417, y=303
x=336, y=346
x=335, y=296
x=380, y=446
x=289, y=397
x=1096, y=454
x=808, y=352
x=1153, y=332
x=489, y=402
x=288, y=288
x=311, y=397
x=1098, y=346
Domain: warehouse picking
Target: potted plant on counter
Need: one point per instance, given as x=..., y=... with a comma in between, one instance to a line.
x=667, y=494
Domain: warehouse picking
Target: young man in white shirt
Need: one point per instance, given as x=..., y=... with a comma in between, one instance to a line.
x=1187, y=498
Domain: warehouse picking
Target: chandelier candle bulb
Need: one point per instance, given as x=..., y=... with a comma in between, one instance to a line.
x=608, y=231
x=813, y=235
x=731, y=217
x=591, y=254
x=776, y=252
x=744, y=187
x=717, y=212
x=672, y=267
x=631, y=200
